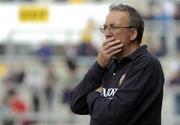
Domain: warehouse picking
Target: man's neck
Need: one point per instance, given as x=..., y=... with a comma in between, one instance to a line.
x=127, y=51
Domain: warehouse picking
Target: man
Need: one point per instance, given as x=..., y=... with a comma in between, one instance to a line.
x=125, y=85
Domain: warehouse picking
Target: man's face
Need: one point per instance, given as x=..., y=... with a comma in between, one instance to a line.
x=117, y=23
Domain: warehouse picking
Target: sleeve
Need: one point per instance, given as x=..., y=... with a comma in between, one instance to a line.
x=136, y=86
x=91, y=81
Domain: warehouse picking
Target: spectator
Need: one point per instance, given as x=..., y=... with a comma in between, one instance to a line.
x=175, y=81
x=45, y=53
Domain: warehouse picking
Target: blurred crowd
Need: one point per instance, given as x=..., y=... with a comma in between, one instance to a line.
x=44, y=82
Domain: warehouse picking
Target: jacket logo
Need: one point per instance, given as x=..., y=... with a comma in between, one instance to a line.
x=122, y=79
x=108, y=92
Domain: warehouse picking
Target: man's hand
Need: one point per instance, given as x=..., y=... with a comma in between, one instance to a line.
x=99, y=89
x=109, y=48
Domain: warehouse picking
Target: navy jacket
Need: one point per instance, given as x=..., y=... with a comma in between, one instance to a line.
x=132, y=91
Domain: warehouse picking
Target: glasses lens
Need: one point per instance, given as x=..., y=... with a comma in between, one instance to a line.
x=102, y=29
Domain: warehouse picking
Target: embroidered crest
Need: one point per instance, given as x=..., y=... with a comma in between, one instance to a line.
x=122, y=79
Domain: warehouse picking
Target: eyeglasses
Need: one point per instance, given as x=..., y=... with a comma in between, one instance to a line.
x=112, y=28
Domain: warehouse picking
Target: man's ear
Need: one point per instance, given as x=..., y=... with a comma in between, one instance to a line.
x=133, y=34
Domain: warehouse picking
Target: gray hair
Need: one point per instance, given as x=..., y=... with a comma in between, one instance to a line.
x=136, y=20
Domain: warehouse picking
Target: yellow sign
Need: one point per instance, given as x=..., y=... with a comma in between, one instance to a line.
x=33, y=14
x=3, y=69
x=77, y=1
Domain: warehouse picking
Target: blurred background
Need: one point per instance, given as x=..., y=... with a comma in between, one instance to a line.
x=46, y=47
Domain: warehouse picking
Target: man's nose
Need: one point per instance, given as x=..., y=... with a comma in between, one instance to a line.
x=108, y=33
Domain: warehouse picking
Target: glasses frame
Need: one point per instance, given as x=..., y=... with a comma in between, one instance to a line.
x=112, y=28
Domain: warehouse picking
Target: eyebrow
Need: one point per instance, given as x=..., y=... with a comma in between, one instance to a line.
x=117, y=25
x=110, y=24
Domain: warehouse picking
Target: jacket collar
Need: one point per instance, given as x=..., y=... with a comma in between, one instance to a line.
x=139, y=51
